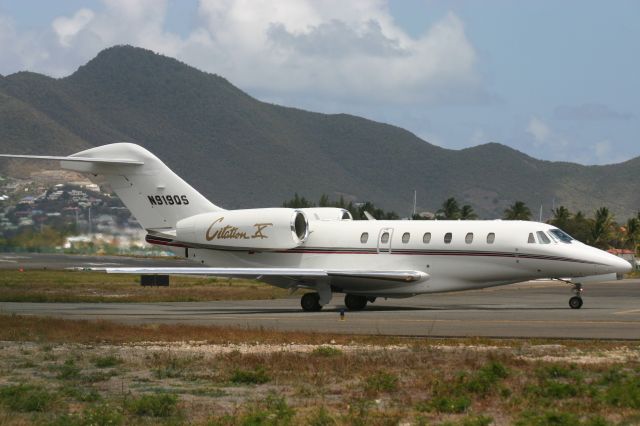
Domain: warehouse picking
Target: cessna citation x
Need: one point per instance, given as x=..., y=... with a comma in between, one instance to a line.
x=324, y=250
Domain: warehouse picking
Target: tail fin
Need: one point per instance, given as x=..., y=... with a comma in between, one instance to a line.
x=156, y=196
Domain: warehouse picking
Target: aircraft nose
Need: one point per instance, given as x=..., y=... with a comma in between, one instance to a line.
x=617, y=264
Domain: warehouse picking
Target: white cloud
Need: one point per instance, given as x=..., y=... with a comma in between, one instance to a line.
x=67, y=28
x=295, y=49
x=539, y=130
x=606, y=152
x=602, y=150
x=478, y=138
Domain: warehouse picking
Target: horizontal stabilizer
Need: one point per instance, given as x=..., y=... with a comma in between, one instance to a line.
x=403, y=276
x=76, y=159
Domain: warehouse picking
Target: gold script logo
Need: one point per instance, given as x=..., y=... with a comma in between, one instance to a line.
x=229, y=232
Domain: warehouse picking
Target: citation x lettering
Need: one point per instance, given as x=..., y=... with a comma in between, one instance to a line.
x=324, y=250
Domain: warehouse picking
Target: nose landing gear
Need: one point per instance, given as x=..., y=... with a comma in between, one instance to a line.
x=576, y=301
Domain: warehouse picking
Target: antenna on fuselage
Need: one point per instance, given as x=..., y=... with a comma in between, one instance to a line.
x=415, y=198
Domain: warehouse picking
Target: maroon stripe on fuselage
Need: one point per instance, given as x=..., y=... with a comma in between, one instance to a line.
x=405, y=252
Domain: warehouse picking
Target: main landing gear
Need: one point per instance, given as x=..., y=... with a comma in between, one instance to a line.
x=310, y=302
x=576, y=301
x=356, y=303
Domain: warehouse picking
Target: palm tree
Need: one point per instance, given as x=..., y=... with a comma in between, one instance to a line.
x=467, y=213
x=561, y=217
x=450, y=209
x=633, y=231
x=518, y=211
x=601, y=228
x=579, y=227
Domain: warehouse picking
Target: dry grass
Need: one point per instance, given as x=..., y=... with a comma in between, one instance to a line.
x=159, y=384
x=56, y=330
x=55, y=371
x=73, y=286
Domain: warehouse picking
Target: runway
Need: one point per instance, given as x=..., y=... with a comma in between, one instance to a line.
x=32, y=261
x=531, y=310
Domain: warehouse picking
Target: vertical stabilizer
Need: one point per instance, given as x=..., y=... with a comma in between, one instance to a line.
x=154, y=194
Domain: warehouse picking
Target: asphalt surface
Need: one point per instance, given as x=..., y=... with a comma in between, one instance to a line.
x=31, y=261
x=536, y=309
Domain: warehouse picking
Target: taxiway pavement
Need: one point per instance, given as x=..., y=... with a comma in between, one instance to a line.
x=54, y=261
x=535, y=309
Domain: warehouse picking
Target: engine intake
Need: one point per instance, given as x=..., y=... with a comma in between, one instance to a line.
x=252, y=229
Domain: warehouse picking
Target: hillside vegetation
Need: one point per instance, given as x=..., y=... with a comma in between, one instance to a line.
x=241, y=152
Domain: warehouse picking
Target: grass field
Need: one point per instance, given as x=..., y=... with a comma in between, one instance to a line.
x=76, y=286
x=55, y=371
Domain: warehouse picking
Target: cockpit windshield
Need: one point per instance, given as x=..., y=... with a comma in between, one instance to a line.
x=561, y=235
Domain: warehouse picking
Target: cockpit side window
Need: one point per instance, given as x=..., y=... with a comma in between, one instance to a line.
x=542, y=237
x=532, y=239
x=561, y=235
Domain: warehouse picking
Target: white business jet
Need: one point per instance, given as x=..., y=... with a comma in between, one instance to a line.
x=324, y=250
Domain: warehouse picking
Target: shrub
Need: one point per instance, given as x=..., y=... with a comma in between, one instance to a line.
x=321, y=417
x=102, y=415
x=26, y=398
x=548, y=419
x=68, y=370
x=274, y=410
x=107, y=361
x=381, y=382
x=556, y=390
x=446, y=404
x=477, y=421
x=154, y=405
x=248, y=377
x=624, y=393
x=485, y=379
x=80, y=394
x=556, y=371
x=327, y=351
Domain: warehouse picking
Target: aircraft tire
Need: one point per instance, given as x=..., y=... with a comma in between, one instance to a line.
x=310, y=302
x=575, y=302
x=355, y=303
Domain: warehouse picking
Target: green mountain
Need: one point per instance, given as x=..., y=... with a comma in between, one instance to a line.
x=241, y=152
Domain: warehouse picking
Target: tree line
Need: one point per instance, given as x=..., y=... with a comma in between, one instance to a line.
x=600, y=230
x=356, y=209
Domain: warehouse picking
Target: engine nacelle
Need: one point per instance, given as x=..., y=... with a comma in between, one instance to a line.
x=252, y=229
x=326, y=213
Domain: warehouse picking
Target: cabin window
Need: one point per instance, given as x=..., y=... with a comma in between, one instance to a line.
x=491, y=237
x=542, y=237
x=561, y=235
x=364, y=237
x=426, y=238
x=448, y=237
x=532, y=239
x=468, y=238
x=385, y=238
x=405, y=237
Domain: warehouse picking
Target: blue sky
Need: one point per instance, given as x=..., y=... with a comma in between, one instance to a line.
x=556, y=80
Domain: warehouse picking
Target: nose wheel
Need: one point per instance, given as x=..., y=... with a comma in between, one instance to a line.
x=576, y=301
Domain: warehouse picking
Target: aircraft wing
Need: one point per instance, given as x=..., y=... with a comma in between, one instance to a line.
x=394, y=275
